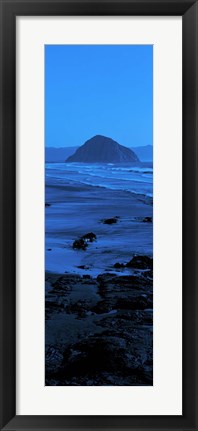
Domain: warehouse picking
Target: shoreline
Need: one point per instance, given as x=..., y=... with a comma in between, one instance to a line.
x=72, y=212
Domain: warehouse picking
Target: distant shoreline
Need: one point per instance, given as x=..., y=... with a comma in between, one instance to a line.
x=60, y=154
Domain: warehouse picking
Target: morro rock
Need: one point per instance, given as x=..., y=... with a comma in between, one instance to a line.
x=101, y=149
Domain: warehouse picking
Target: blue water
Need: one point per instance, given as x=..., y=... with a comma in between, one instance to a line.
x=136, y=179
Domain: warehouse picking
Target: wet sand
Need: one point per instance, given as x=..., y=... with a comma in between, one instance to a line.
x=77, y=209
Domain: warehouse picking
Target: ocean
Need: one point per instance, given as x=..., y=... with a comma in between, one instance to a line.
x=136, y=179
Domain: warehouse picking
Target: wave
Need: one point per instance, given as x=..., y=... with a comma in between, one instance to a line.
x=136, y=180
x=125, y=178
x=142, y=196
x=135, y=170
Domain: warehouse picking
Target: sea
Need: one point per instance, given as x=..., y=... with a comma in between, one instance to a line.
x=136, y=178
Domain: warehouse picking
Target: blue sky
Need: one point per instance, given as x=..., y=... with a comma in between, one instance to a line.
x=98, y=89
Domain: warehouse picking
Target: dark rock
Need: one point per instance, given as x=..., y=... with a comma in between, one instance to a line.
x=53, y=306
x=89, y=237
x=63, y=283
x=80, y=244
x=138, y=263
x=148, y=274
x=147, y=220
x=141, y=262
x=114, y=341
x=101, y=149
x=87, y=276
x=136, y=303
x=80, y=308
x=107, y=359
x=53, y=358
x=94, y=355
x=49, y=249
x=148, y=317
x=119, y=265
x=47, y=204
x=83, y=267
x=105, y=277
x=102, y=307
x=111, y=220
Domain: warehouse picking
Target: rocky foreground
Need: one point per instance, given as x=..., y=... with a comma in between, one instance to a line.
x=99, y=331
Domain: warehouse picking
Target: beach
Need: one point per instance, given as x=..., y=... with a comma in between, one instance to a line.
x=99, y=278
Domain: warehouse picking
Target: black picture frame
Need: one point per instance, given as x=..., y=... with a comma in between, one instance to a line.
x=8, y=12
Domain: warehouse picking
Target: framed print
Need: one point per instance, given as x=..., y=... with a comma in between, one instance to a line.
x=98, y=215
x=99, y=173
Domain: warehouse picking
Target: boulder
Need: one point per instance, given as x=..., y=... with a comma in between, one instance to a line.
x=147, y=220
x=89, y=237
x=140, y=262
x=80, y=244
x=111, y=220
